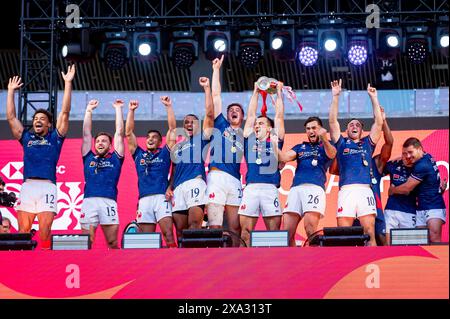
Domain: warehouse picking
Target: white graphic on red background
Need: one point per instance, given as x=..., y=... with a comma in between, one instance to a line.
x=13, y=170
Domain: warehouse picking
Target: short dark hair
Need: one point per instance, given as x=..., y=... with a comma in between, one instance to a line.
x=236, y=104
x=312, y=119
x=412, y=141
x=352, y=119
x=190, y=114
x=2, y=183
x=44, y=111
x=103, y=133
x=271, y=122
x=155, y=131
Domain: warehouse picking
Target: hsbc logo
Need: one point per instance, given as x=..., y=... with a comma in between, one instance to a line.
x=14, y=170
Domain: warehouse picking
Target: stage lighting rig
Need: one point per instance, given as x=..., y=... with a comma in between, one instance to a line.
x=147, y=41
x=308, y=48
x=115, y=51
x=331, y=38
x=183, y=49
x=250, y=48
x=418, y=44
x=282, y=39
x=216, y=40
x=359, y=45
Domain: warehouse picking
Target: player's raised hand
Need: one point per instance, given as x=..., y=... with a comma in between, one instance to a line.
x=371, y=90
x=203, y=81
x=322, y=133
x=92, y=105
x=133, y=105
x=68, y=77
x=280, y=86
x=217, y=63
x=118, y=103
x=15, y=83
x=169, y=193
x=336, y=87
x=166, y=100
x=383, y=114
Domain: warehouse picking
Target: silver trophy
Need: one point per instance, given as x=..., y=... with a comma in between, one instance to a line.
x=267, y=84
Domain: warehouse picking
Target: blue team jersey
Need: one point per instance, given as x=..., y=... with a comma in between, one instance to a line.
x=227, y=149
x=428, y=191
x=262, y=162
x=41, y=154
x=306, y=172
x=399, y=174
x=101, y=175
x=152, y=170
x=188, y=159
x=350, y=156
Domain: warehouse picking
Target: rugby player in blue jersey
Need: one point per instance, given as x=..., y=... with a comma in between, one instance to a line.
x=101, y=173
x=188, y=180
x=306, y=197
x=354, y=158
x=226, y=151
x=425, y=181
x=379, y=164
x=263, y=176
x=41, y=148
x=152, y=167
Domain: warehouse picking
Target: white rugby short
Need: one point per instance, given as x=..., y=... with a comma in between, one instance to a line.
x=423, y=216
x=355, y=201
x=98, y=210
x=306, y=198
x=37, y=196
x=189, y=194
x=223, y=189
x=260, y=197
x=397, y=219
x=153, y=208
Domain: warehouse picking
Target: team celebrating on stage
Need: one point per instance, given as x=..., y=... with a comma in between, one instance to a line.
x=174, y=189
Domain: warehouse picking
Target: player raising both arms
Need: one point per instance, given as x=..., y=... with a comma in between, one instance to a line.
x=263, y=177
x=354, y=158
x=41, y=150
x=152, y=167
x=101, y=173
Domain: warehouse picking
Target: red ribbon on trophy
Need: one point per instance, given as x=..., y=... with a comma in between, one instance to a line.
x=269, y=86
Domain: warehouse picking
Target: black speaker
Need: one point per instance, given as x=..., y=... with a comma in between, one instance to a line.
x=17, y=241
x=340, y=236
x=203, y=238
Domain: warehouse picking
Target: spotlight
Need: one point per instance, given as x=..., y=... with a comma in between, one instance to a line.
x=147, y=44
x=417, y=45
x=331, y=38
x=359, y=45
x=216, y=42
x=443, y=41
x=388, y=42
x=183, y=49
x=282, y=39
x=393, y=41
x=250, y=48
x=115, y=52
x=308, y=53
x=78, y=48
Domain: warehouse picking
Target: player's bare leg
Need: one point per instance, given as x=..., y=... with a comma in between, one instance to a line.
x=111, y=232
x=45, y=225
x=181, y=223
x=290, y=223
x=272, y=222
x=247, y=225
x=147, y=227
x=231, y=214
x=91, y=232
x=311, y=220
x=195, y=217
x=166, y=226
x=368, y=224
x=25, y=221
x=435, y=227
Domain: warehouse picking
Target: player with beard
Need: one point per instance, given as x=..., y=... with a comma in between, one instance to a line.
x=101, y=173
x=379, y=163
x=263, y=177
x=41, y=148
x=400, y=210
x=188, y=187
x=152, y=167
x=425, y=180
x=307, y=198
x=354, y=158
x=226, y=151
